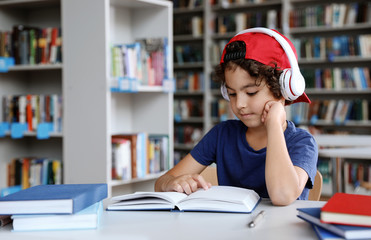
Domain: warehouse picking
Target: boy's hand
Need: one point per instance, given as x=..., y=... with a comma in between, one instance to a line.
x=187, y=184
x=274, y=112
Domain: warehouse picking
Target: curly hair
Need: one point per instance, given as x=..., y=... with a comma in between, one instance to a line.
x=256, y=69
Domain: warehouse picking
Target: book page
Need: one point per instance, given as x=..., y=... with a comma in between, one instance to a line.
x=222, y=193
x=221, y=198
x=148, y=197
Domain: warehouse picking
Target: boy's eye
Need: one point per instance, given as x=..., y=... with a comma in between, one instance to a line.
x=252, y=93
x=231, y=94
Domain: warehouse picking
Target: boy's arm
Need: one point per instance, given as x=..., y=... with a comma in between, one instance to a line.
x=183, y=177
x=285, y=182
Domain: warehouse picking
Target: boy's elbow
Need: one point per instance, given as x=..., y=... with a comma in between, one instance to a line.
x=283, y=199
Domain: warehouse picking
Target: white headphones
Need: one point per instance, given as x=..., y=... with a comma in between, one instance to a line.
x=291, y=81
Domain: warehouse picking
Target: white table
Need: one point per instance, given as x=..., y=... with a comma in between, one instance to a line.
x=278, y=223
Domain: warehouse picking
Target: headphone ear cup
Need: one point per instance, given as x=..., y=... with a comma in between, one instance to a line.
x=285, y=81
x=292, y=86
x=224, y=92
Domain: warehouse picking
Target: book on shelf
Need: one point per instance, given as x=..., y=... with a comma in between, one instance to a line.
x=325, y=167
x=53, y=199
x=197, y=26
x=121, y=159
x=188, y=53
x=183, y=26
x=29, y=172
x=140, y=154
x=355, y=175
x=143, y=62
x=138, y=143
x=330, y=48
x=190, y=4
x=88, y=218
x=349, y=209
x=189, y=81
x=333, y=15
x=313, y=216
x=187, y=134
x=216, y=50
x=215, y=199
x=133, y=138
x=34, y=45
x=5, y=44
x=236, y=22
x=33, y=110
x=158, y=153
x=331, y=111
x=178, y=156
x=189, y=107
x=224, y=111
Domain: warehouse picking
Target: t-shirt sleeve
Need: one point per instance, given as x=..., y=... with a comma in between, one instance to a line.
x=205, y=150
x=304, y=154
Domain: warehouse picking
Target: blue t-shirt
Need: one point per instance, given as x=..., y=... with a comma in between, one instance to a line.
x=240, y=165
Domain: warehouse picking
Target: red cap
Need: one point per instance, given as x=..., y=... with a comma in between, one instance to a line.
x=267, y=50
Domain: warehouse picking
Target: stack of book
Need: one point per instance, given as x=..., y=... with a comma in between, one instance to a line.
x=344, y=216
x=55, y=207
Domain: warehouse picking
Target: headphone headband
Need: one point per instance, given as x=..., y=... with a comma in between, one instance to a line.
x=282, y=41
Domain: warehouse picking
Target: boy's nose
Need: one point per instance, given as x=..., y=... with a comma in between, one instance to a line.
x=241, y=101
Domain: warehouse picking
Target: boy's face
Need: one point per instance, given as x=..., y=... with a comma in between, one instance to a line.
x=247, y=100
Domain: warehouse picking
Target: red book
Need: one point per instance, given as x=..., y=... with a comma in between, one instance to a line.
x=29, y=112
x=26, y=173
x=347, y=209
x=43, y=46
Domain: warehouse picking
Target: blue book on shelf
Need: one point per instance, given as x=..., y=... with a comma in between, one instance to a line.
x=53, y=199
x=312, y=215
x=88, y=218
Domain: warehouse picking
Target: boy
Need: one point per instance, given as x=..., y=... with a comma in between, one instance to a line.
x=261, y=150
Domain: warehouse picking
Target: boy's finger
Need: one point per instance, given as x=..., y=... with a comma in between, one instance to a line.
x=202, y=182
x=177, y=188
x=186, y=188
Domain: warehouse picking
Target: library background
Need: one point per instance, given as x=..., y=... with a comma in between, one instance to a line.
x=120, y=93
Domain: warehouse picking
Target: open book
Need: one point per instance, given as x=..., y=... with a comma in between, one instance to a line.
x=215, y=199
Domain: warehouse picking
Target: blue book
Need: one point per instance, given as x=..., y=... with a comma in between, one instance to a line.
x=53, y=199
x=312, y=215
x=87, y=218
x=324, y=234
